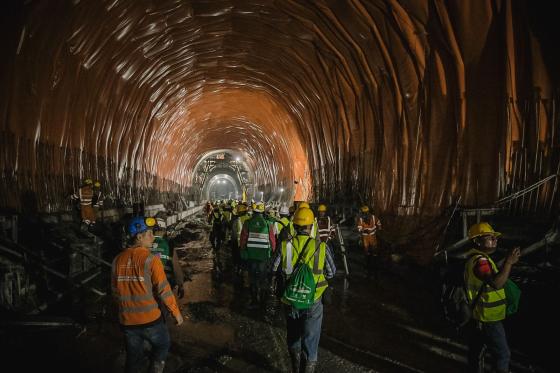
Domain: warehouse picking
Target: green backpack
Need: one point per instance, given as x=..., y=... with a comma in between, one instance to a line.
x=300, y=287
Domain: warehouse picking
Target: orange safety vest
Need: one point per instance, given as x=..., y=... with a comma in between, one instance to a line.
x=368, y=228
x=136, y=275
x=86, y=195
x=326, y=229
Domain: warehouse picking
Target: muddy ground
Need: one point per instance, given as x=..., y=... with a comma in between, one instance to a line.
x=392, y=324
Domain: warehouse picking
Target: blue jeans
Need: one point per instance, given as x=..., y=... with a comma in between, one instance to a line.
x=157, y=336
x=491, y=335
x=304, y=329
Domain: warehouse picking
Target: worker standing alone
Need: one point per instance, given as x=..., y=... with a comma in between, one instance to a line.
x=324, y=225
x=368, y=225
x=85, y=196
x=485, y=288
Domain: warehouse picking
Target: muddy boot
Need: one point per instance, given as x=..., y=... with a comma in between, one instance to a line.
x=157, y=367
x=310, y=366
x=295, y=357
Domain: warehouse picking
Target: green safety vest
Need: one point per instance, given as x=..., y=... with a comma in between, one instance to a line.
x=258, y=243
x=491, y=305
x=217, y=217
x=317, y=249
x=160, y=248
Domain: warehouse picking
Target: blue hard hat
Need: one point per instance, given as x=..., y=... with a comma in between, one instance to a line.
x=137, y=225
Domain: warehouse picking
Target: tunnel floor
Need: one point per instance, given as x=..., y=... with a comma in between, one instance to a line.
x=391, y=324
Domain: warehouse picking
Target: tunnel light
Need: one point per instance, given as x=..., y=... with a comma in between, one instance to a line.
x=281, y=190
x=237, y=159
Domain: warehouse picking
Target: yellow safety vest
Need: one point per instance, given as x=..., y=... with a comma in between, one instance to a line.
x=314, y=256
x=491, y=305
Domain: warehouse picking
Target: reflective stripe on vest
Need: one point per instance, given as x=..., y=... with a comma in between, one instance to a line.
x=258, y=240
x=369, y=228
x=132, y=287
x=492, y=303
x=258, y=237
x=325, y=228
x=86, y=195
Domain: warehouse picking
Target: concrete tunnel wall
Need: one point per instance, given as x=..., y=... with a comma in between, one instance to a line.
x=406, y=105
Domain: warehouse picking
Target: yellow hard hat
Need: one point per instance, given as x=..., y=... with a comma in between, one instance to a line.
x=364, y=209
x=259, y=207
x=97, y=184
x=241, y=208
x=303, y=205
x=482, y=229
x=88, y=181
x=151, y=222
x=303, y=216
x=322, y=208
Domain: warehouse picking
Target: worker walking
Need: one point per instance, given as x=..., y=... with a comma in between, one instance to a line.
x=168, y=257
x=324, y=225
x=236, y=228
x=137, y=279
x=367, y=225
x=218, y=229
x=285, y=221
x=257, y=244
x=484, y=283
x=314, y=229
x=304, y=325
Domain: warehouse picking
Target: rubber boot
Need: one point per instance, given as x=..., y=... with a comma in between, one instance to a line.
x=310, y=366
x=295, y=357
x=157, y=367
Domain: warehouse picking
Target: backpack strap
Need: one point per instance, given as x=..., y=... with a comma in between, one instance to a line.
x=479, y=293
x=302, y=251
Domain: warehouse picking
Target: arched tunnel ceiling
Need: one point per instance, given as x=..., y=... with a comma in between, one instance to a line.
x=407, y=105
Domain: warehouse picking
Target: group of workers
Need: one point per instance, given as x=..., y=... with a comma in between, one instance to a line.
x=270, y=243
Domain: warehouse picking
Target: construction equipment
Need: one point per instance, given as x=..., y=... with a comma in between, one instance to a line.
x=342, y=248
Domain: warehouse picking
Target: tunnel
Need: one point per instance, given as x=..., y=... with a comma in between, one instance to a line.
x=436, y=115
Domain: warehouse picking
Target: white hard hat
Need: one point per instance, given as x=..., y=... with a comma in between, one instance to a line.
x=161, y=223
x=284, y=210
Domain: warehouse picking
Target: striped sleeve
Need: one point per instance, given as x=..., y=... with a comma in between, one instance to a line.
x=330, y=267
x=277, y=259
x=162, y=287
